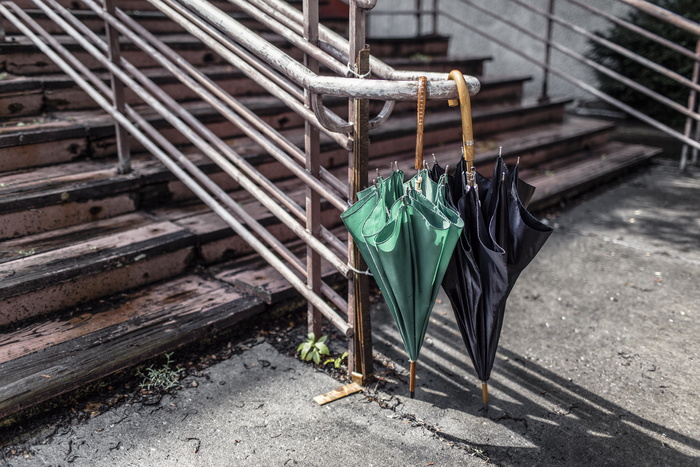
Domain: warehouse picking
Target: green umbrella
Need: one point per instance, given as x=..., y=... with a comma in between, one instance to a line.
x=407, y=241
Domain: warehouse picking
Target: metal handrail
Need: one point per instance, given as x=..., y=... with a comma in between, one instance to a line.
x=386, y=89
x=693, y=84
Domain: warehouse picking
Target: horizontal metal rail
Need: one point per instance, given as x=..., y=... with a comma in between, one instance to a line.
x=612, y=46
x=635, y=29
x=69, y=65
x=665, y=15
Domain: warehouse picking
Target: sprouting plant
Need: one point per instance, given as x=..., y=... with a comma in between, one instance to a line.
x=29, y=252
x=336, y=361
x=312, y=349
x=163, y=377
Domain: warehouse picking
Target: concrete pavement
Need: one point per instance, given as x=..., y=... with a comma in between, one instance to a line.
x=598, y=365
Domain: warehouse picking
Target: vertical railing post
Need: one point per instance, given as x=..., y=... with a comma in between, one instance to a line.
x=418, y=8
x=360, y=347
x=692, y=106
x=436, y=8
x=118, y=101
x=313, y=151
x=544, y=95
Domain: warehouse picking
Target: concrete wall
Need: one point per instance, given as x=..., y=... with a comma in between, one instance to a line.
x=465, y=42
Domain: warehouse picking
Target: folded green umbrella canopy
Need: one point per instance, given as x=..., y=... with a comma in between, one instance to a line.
x=406, y=233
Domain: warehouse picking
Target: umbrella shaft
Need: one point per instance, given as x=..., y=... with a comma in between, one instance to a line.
x=412, y=379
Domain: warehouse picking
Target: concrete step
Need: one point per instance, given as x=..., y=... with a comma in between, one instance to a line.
x=126, y=5
x=563, y=179
x=473, y=66
x=419, y=46
x=23, y=58
x=44, y=359
x=534, y=147
x=40, y=360
x=153, y=20
x=32, y=96
x=50, y=272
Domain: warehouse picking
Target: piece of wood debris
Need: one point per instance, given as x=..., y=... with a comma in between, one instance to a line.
x=338, y=393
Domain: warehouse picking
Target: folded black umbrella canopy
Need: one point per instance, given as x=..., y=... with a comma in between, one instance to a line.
x=500, y=238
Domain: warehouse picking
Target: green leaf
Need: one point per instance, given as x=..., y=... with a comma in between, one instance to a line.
x=322, y=339
x=322, y=349
x=301, y=346
x=317, y=357
x=312, y=337
x=305, y=350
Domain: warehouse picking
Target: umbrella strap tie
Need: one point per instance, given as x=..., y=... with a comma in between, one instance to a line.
x=366, y=273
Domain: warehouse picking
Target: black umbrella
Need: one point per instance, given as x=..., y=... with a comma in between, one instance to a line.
x=500, y=238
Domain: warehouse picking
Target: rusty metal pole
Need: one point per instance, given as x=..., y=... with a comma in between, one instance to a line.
x=313, y=154
x=544, y=95
x=692, y=106
x=122, y=136
x=360, y=347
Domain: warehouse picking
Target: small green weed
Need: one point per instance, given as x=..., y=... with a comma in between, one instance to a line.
x=336, y=361
x=162, y=378
x=312, y=349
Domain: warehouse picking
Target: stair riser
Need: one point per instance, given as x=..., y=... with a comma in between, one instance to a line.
x=35, y=63
x=431, y=46
x=47, y=218
x=510, y=121
x=217, y=242
x=540, y=156
x=41, y=154
x=54, y=100
x=467, y=67
x=56, y=297
x=22, y=104
x=231, y=246
x=101, y=147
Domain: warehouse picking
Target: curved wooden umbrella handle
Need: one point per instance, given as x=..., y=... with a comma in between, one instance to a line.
x=465, y=107
x=420, y=124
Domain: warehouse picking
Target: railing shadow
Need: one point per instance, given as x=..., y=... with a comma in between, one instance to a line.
x=535, y=416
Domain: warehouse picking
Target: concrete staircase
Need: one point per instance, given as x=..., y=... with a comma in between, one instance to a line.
x=101, y=271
